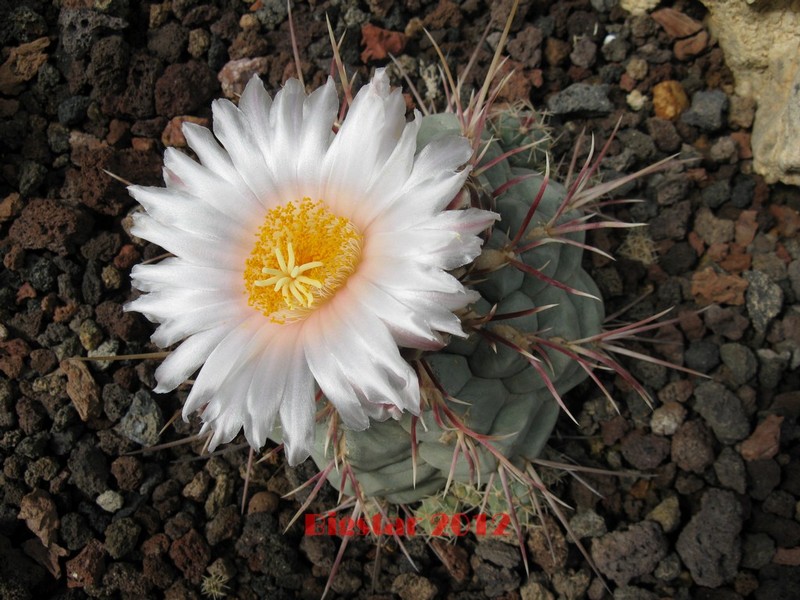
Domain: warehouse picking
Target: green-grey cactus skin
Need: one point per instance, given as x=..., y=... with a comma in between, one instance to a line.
x=498, y=392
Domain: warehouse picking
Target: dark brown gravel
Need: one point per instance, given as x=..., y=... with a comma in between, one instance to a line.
x=712, y=511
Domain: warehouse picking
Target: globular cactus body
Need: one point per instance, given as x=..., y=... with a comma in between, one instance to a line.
x=492, y=387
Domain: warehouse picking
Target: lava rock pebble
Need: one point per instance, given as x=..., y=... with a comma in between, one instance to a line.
x=580, y=98
x=723, y=411
x=623, y=555
x=709, y=545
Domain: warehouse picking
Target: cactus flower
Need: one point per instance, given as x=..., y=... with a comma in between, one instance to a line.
x=302, y=259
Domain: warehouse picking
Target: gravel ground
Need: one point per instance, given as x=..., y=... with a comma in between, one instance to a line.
x=91, y=86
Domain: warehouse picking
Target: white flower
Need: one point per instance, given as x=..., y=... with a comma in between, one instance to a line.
x=304, y=259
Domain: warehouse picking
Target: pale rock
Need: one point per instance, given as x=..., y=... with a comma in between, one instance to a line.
x=761, y=42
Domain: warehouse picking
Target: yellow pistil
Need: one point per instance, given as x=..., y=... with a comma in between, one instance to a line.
x=303, y=254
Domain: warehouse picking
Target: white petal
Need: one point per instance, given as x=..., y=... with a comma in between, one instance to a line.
x=236, y=134
x=176, y=272
x=225, y=357
x=409, y=327
x=186, y=213
x=193, y=248
x=365, y=141
x=319, y=113
x=285, y=123
x=266, y=392
x=416, y=206
x=405, y=274
x=187, y=358
x=298, y=410
x=196, y=319
x=225, y=192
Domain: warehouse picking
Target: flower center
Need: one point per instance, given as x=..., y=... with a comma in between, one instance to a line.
x=303, y=254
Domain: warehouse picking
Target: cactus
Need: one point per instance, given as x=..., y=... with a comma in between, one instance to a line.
x=485, y=382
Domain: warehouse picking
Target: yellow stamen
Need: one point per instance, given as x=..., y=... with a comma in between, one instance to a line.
x=303, y=255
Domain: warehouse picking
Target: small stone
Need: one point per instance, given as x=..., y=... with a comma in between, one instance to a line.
x=173, y=134
x=225, y=525
x=87, y=568
x=22, y=64
x=52, y=225
x=669, y=568
x=614, y=48
x=110, y=501
x=581, y=98
x=587, y=524
x=526, y=47
x=82, y=389
x=763, y=477
x=571, y=585
x=167, y=42
x=644, y=451
x=716, y=194
x=727, y=322
x=667, y=418
x=723, y=411
x=741, y=111
x=88, y=467
x=143, y=421
x=197, y=488
x=676, y=23
x=236, y=73
x=584, y=53
x=39, y=512
x=122, y=536
x=533, y=590
x=669, y=100
x=671, y=223
x=199, y=42
x=757, y=550
x=664, y=134
x=780, y=503
x=709, y=544
x=72, y=111
x=709, y=287
x=677, y=391
x=667, y=514
x=410, y=586
x=691, y=46
x=452, y=556
x=266, y=502
x=741, y=362
x=702, y=356
x=764, y=299
x=636, y=100
x=221, y=495
x=692, y=447
x=711, y=229
x=730, y=470
x=623, y=555
x=111, y=277
x=638, y=8
x=89, y=334
x=184, y=88
x=107, y=348
x=707, y=110
x=765, y=440
x=497, y=553
x=724, y=150
x=191, y=555
x=380, y=43
x=320, y=550
x=128, y=472
x=547, y=546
